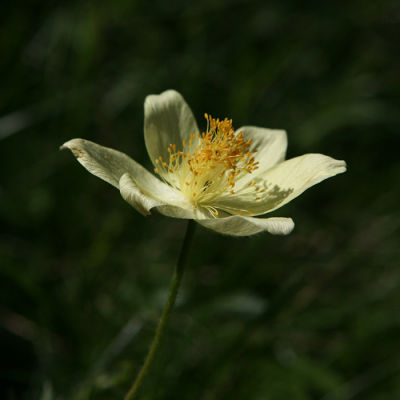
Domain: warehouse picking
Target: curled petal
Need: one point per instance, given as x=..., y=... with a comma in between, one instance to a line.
x=165, y=202
x=237, y=225
x=143, y=203
x=167, y=120
x=135, y=197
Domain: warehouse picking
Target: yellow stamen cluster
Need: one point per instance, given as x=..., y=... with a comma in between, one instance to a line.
x=209, y=163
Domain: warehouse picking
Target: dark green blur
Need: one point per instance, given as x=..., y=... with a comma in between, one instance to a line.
x=83, y=276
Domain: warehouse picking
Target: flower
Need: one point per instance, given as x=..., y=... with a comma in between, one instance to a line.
x=222, y=178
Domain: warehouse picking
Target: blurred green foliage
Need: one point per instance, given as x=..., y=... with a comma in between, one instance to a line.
x=314, y=315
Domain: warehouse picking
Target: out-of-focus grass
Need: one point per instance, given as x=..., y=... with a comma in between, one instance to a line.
x=83, y=276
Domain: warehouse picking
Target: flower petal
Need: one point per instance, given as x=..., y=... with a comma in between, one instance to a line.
x=107, y=164
x=271, y=145
x=110, y=165
x=282, y=183
x=164, y=204
x=167, y=120
x=237, y=225
x=178, y=212
x=143, y=202
x=135, y=197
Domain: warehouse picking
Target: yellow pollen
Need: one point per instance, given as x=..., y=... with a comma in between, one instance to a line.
x=209, y=164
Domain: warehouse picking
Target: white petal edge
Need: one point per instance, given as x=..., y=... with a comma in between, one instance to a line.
x=237, y=225
x=110, y=165
x=284, y=182
x=167, y=120
x=271, y=145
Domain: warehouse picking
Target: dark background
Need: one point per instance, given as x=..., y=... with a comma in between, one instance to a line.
x=314, y=315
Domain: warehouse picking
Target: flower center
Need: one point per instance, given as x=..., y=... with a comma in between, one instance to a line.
x=209, y=163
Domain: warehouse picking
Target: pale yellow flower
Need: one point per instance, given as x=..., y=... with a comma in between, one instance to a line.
x=222, y=178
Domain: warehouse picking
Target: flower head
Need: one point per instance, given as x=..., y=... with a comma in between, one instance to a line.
x=221, y=177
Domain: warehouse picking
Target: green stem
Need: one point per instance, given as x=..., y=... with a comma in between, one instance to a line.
x=173, y=291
